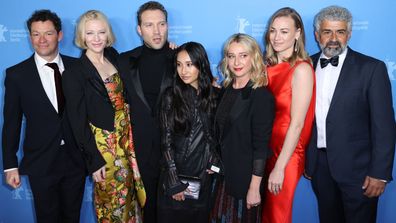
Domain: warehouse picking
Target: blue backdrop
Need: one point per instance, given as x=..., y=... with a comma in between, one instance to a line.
x=210, y=23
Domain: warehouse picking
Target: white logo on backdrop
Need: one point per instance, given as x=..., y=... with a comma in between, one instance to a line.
x=242, y=23
x=176, y=31
x=3, y=29
x=360, y=25
x=391, y=65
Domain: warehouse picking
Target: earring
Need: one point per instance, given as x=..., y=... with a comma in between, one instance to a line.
x=295, y=46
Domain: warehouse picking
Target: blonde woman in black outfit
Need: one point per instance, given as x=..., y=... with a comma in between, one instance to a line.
x=243, y=126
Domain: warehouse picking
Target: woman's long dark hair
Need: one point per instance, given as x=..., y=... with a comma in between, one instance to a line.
x=183, y=96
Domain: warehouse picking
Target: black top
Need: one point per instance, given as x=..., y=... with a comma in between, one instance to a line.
x=244, y=136
x=225, y=108
x=151, y=71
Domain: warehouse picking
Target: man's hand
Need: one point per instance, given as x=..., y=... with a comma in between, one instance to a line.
x=12, y=178
x=373, y=187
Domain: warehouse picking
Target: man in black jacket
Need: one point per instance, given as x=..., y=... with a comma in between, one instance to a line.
x=51, y=159
x=147, y=71
x=352, y=147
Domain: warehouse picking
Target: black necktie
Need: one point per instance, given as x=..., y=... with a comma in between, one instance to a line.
x=58, y=85
x=324, y=62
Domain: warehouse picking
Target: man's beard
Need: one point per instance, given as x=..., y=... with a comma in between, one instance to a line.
x=331, y=51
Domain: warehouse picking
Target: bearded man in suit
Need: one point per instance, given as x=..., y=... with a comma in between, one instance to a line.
x=352, y=147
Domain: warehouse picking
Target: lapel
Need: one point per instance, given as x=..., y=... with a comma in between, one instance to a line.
x=167, y=76
x=37, y=85
x=93, y=77
x=343, y=79
x=241, y=103
x=135, y=79
x=315, y=59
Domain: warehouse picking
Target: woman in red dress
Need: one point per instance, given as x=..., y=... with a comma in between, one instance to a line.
x=292, y=82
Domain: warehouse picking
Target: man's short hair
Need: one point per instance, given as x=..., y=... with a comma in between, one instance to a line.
x=333, y=13
x=42, y=16
x=151, y=5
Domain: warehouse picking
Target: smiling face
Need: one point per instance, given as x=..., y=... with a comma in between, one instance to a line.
x=186, y=70
x=239, y=60
x=283, y=34
x=333, y=37
x=153, y=28
x=45, y=39
x=96, y=35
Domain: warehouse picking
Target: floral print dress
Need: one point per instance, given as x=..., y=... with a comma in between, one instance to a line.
x=120, y=197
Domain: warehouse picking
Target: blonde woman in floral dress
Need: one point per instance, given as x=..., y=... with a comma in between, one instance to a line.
x=100, y=120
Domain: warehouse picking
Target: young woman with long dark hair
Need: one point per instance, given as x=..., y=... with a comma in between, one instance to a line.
x=187, y=110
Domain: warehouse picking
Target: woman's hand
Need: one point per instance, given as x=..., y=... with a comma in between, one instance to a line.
x=209, y=171
x=179, y=196
x=173, y=45
x=275, y=180
x=253, y=198
x=99, y=175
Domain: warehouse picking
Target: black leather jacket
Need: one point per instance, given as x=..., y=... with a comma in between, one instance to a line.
x=187, y=154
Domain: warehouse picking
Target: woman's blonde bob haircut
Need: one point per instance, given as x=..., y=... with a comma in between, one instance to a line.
x=80, y=28
x=258, y=73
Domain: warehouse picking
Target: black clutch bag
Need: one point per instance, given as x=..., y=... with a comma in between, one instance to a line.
x=194, y=186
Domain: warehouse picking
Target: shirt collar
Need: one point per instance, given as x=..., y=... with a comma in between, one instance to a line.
x=41, y=62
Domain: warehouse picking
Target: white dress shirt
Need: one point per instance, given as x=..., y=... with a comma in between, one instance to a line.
x=326, y=81
x=47, y=76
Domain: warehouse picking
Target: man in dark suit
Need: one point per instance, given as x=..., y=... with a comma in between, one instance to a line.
x=51, y=159
x=147, y=71
x=351, y=152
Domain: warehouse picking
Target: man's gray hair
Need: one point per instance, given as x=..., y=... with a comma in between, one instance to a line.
x=333, y=13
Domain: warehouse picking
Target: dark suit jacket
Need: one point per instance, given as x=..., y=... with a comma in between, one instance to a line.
x=87, y=101
x=25, y=96
x=360, y=124
x=145, y=124
x=245, y=137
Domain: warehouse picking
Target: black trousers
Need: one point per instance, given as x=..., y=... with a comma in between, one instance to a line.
x=338, y=201
x=58, y=196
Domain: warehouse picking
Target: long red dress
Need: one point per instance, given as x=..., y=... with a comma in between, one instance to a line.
x=278, y=208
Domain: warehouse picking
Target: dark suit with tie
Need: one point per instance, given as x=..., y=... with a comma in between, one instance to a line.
x=144, y=119
x=56, y=172
x=360, y=140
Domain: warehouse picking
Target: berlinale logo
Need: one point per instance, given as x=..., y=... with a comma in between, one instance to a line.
x=242, y=23
x=3, y=29
x=391, y=65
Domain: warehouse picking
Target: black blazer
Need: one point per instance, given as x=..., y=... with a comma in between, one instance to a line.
x=87, y=101
x=25, y=96
x=145, y=124
x=245, y=137
x=360, y=124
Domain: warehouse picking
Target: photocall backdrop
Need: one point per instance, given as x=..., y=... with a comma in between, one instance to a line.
x=210, y=23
